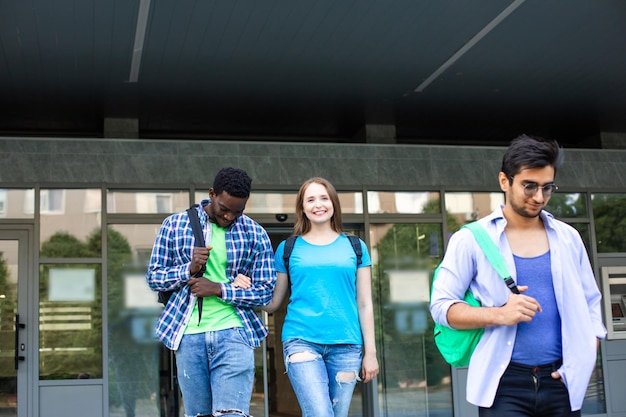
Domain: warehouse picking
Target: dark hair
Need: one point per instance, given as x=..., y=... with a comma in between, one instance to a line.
x=529, y=152
x=303, y=224
x=234, y=181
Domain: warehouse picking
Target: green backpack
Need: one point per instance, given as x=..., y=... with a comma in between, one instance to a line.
x=457, y=345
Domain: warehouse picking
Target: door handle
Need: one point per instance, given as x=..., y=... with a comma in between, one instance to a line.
x=18, y=327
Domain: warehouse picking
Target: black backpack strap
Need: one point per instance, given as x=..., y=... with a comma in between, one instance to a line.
x=194, y=220
x=291, y=240
x=356, y=245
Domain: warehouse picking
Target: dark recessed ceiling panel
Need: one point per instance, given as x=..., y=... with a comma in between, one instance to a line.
x=440, y=72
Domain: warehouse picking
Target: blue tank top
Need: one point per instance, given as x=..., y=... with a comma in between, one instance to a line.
x=539, y=341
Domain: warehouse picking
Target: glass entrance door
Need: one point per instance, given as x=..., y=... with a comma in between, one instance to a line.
x=15, y=345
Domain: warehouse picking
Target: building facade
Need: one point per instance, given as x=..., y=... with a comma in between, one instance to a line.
x=78, y=218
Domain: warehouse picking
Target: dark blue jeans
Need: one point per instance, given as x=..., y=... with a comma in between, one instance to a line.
x=530, y=392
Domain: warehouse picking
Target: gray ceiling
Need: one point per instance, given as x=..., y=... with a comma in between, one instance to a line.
x=440, y=71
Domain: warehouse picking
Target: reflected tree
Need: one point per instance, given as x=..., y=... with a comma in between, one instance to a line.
x=133, y=369
x=567, y=205
x=64, y=245
x=410, y=354
x=609, y=213
x=8, y=308
x=75, y=335
x=7, y=291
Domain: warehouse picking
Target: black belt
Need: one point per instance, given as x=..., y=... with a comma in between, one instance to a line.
x=550, y=367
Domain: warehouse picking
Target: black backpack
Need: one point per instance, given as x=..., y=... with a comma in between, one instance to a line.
x=354, y=240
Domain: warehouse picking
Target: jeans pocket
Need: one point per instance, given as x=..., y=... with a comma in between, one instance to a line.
x=241, y=333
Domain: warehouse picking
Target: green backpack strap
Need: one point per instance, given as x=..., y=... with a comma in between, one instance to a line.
x=493, y=254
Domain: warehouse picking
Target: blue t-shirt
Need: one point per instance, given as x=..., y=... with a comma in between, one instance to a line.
x=322, y=306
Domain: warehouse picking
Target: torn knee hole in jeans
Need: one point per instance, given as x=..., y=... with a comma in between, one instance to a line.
x=346, y=376
x=302, y=357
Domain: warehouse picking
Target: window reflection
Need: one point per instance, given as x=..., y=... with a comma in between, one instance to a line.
x=414, y=378
x=70, y=316
x=276, y=203
x=262, y=202
x=70, y=232
x=51, y=201
x=563, y=205
x=9, y=265
x=402, y=202
x=609, y=212
x=17, y=203
x=3, y=203
x=138, y=373
x=463, y=208
x=147, y=202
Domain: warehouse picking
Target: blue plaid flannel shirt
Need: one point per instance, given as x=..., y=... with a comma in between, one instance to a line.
x=249, y=251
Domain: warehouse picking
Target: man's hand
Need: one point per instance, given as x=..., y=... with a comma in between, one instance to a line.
x=556, y=375
x=202, y=287
x=519, y=308
x=199, y=258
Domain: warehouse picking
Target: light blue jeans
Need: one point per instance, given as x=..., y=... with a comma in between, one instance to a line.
x=216, y=373
x=322, y=376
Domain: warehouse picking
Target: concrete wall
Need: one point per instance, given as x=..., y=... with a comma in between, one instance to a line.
x=160, y=162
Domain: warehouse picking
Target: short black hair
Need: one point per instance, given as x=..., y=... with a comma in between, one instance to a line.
x=234, y=181
x=529, y=152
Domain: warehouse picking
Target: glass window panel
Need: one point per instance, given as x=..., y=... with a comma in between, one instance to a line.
x=351, y=203
x=93, y=201
x=609, y=214
x=563, y=205
x=50, y=201
x=403, y=202
x=135, y=354
x=68, y=233
x=279, y=203
x=70, y=321
x=465, y=207
x=262, y=202
x=147, y=202
x=16, y=203
x=415, y=378
x=164, y=203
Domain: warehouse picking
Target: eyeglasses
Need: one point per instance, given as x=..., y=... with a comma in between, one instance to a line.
x=531, y=188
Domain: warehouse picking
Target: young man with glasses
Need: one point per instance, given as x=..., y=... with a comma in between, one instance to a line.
x=539, y=347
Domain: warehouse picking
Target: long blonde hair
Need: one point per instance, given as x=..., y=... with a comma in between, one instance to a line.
x=303, y=224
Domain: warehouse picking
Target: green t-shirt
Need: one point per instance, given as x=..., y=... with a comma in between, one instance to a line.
x=216, y=314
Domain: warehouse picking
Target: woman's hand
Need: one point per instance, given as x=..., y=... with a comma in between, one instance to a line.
x=242, y=281
x=369, y=367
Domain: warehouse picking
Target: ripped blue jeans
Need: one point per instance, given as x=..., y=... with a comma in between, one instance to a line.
x=322, y=376
x=216, y=373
